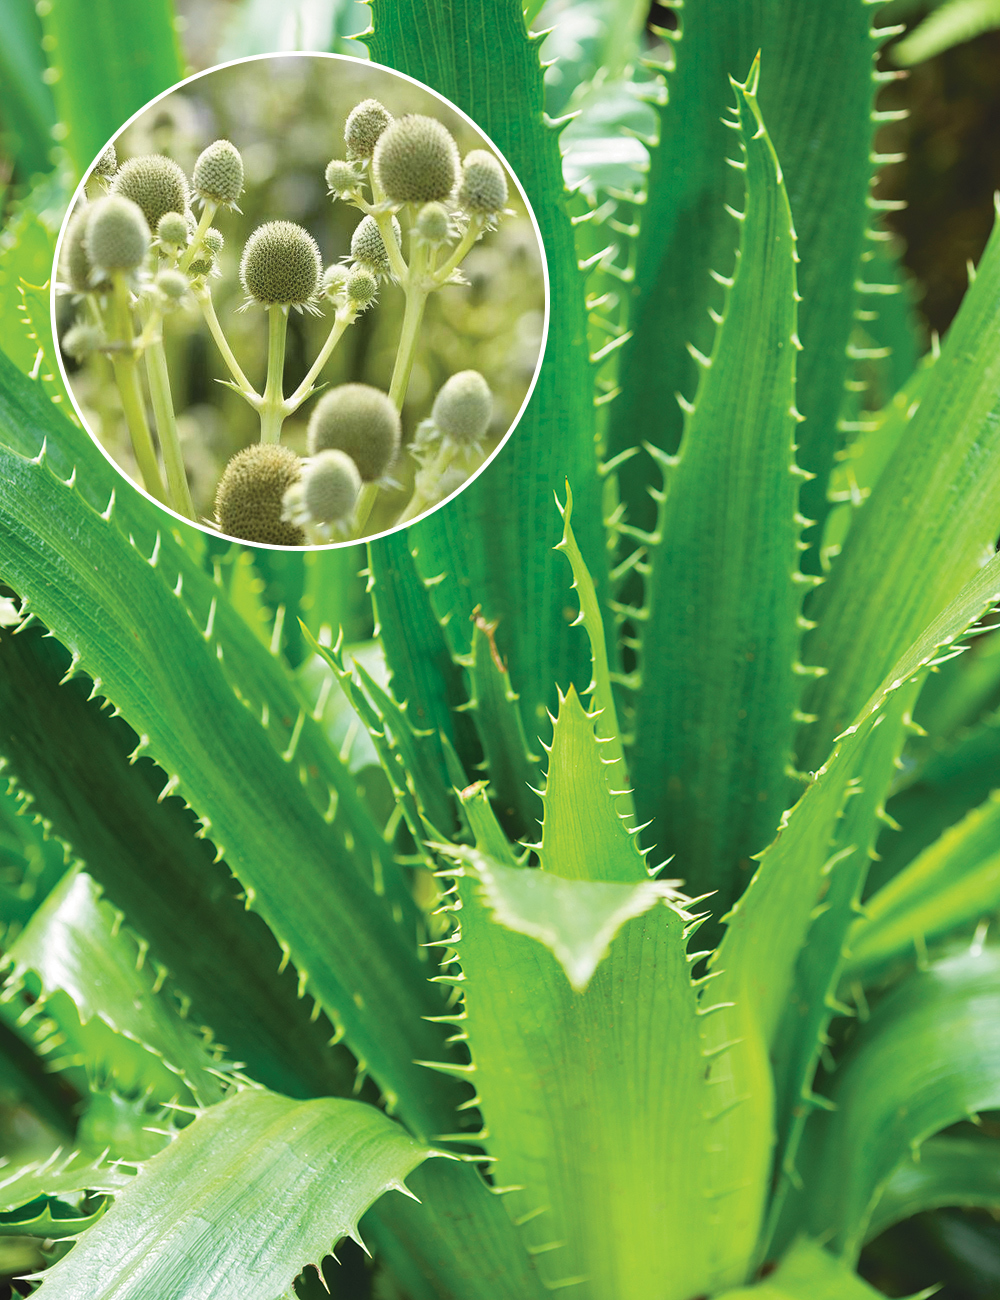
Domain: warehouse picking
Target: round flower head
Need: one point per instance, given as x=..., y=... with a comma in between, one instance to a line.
x=172, y=284
x=368, y=246
x=213, y=241
x=484, y=186
x=172, y=230
x=281, y=265
x=365, y=123
x=327, y=493
x=360, y=421
x=107, y=164
x=81, y=339
x=218, y=174
x=341, y=177
x=156, y=183
x=433, y=224
x=334, y=281
x=204, y=265
x=77, y=266
x=248, y=500
x=117, y=237
x=463, y=407
x=361, y=287
x=416, y=160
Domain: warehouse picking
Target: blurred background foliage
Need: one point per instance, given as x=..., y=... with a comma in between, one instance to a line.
x=286, y=116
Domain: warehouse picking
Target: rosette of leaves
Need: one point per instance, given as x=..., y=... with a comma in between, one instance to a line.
x=717, y=1089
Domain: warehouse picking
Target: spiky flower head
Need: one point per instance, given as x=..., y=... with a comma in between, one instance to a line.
x=361, y=287
x=433, y=224
x=365, y=124
x=204, y=265
x=463, y=408
x=327, y=493
x=81, y=339
x=360, y=421
x=368, y=246
x=218, y=174
x=173, y=285
x=250, y=495
x=117, y=237
x=156, y=183
x=213, y=241
x=484, y=186
x=341, y=177
x=335, y=279
x=107, y=164
x=172, y=230
x=416, y=160
x=281, y=265
x=77, y=266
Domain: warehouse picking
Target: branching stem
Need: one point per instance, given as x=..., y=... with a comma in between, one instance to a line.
x=272, y=407
x=127, y=379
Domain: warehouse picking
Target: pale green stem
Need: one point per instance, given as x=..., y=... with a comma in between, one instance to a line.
x=158, y=378
x=366, y=501
x=191, y=252
x=204, y=297
x=272, y=407
x=127, y=379
x=340, y=324
x=399, y=268
x=421, y=501
x=416, y=300
x=475, y=228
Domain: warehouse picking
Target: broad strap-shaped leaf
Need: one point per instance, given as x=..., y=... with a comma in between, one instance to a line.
x=594, y=1103
x=584, y=837
x=109, y=59
x=808, y=1272
x=817, y=89
x=351, y=954
x=492, y=546
x=718, y=688
x=945, y=1171
x=25, y=98
x=931, y=520
x=75, y=944
x=954, y=881
x=62, y=1174
x=254, y=1190
x=928, y=1057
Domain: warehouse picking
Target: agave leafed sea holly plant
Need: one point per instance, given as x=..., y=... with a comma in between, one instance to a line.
x=284, y=938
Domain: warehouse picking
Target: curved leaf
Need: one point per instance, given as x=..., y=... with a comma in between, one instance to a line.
x=807, y=1272
x=945, y=1171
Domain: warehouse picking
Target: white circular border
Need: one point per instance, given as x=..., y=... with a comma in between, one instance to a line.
x=368, y=63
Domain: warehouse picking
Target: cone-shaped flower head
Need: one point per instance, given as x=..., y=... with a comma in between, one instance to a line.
x=433, y=224
x=213, y=241
x=463, y=407
x=248, y=500
x=107, y=164
x=416, y=160
x=281, y=265
x=360, y=421
x=341, y=177
x=218, y=173
x=361, y=287
x=77, y=266
x=117, y=237
x=365, y=123
x=330, y=487
x=172, y=230
x=368, y=246
x=156, y=183
x=484, y=186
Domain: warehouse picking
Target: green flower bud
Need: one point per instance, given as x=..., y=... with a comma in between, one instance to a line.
x=218, y=173
x=248, y=500
x=433, y=224
x=335, y=281
x=368, y=246
x=330, y=487
x=416, y=160
x=172, y=284
x=281, y=264
x=365, y=123
x=361, y=286
x=81, y=339
x=463, y=407
x=341, y=177
x=117, y=237
x=156, y=183
x=202, y=266
x=212, y=241
x=358, y=420
x=107, y=164
x=77, y=266
x=484, y=186
x=172, y=230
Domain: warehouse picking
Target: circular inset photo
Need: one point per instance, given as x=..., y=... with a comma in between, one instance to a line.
x=300, y=300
